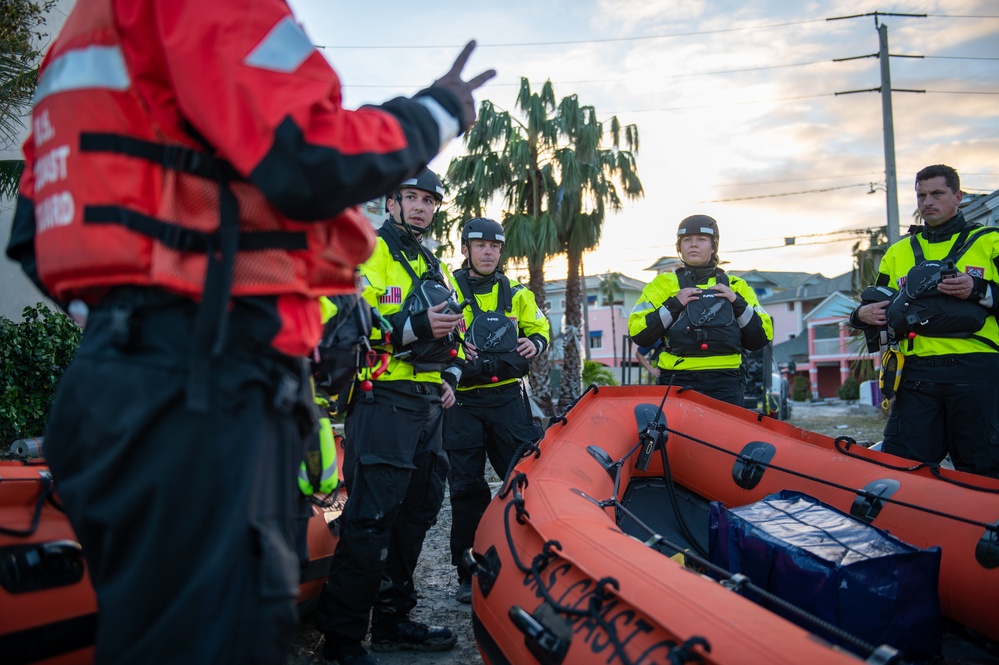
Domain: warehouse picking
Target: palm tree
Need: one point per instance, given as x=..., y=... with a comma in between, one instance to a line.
x=513, y=157
x=19, y=31
x=610, y=287
x=590, y=176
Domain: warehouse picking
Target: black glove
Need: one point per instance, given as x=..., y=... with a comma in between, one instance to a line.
x=979, y=290
x=739, y=305
x=674, y=306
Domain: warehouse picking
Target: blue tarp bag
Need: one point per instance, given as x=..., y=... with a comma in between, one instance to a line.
x=845, y=571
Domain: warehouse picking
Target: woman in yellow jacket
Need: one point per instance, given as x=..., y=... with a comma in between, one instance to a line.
x=705, y=317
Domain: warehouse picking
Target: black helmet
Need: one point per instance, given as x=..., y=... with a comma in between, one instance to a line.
x=482, y=228
x=698, y=225
x=426, y=180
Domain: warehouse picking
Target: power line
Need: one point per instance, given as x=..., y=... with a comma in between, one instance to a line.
x=586, y=41
x=828, y=177
x=956, y=57
x=798, y=244
x=608, y=40
x=719, y=72
x=772, y=196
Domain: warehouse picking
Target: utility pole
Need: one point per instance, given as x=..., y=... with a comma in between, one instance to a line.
x=888, y=129
x=891, y=186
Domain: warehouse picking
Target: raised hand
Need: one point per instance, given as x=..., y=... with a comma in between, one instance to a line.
x=453, y=83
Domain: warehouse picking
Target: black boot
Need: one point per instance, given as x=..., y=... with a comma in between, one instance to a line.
x=407, y=635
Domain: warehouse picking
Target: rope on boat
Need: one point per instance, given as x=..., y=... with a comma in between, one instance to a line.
x=605, y=589
x=561, y=418
x=934, y=468
x=859, y=492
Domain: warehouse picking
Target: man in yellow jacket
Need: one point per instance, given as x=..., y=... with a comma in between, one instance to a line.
x=393, y=466
x=705, y=317
x=947, y=279
x=504, y=330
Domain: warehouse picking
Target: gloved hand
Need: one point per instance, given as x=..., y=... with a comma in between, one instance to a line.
x=457, y=97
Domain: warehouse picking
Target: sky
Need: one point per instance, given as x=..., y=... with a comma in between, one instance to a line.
x=735, y=103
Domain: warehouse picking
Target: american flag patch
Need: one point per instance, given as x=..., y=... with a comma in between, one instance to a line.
x=392, y=296
x=461, y=327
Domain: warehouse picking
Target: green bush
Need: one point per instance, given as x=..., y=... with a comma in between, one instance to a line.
x=802, y=390
x=33, y=355
x=850, y=390
x=595, y=373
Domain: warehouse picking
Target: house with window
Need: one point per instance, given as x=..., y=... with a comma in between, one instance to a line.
x=606, y=323
x=812, y=333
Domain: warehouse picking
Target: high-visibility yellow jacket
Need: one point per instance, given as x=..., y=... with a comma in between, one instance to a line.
x=651, y=318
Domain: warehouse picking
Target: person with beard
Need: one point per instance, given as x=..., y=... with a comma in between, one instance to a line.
x=393, y=467
x=948, y=397
x=504, y=329
x=705, y=317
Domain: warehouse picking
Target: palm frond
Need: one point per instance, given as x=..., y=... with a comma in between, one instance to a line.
x=10, y=177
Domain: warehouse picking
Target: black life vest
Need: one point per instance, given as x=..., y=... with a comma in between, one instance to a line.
x=706, y=326
x=918, y=307
x=344, y=337
x=494, y=335
x=431, y=355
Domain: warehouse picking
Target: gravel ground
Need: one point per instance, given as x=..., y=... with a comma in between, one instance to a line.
x=437, y=582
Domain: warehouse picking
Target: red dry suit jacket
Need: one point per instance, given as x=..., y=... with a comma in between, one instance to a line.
x=153, y=119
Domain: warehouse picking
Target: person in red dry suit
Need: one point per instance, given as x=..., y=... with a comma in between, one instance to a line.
x=189, y=183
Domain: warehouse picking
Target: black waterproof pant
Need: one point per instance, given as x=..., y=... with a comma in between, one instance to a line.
x=929, y=420
x=394, y=471
x=486, y=422
x=188, y=520
x=722, y=384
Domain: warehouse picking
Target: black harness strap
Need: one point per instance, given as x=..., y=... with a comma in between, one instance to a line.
x=174, y=157
x=184, y=239
x=686, y=280
x=211, y=322
x=957, y=250
x=504, y=298
x=395, y=248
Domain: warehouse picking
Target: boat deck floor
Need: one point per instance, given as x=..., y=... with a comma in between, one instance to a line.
x=657, y=506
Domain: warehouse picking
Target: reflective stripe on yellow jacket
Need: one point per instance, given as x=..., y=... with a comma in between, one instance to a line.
x=665, y=286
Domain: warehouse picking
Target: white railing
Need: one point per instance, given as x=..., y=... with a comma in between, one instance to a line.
x=826, y=347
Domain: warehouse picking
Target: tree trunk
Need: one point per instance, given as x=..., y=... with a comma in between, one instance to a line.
x=572, y=370
x=585, y=299
x=541, y=367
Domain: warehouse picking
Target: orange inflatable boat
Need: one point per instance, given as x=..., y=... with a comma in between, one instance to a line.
x=48, y=611
x=593, y=550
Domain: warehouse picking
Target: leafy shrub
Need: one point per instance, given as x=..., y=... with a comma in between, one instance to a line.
x=33, y=355
x=601, y=375
x=850, y=390
x=802, y=390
